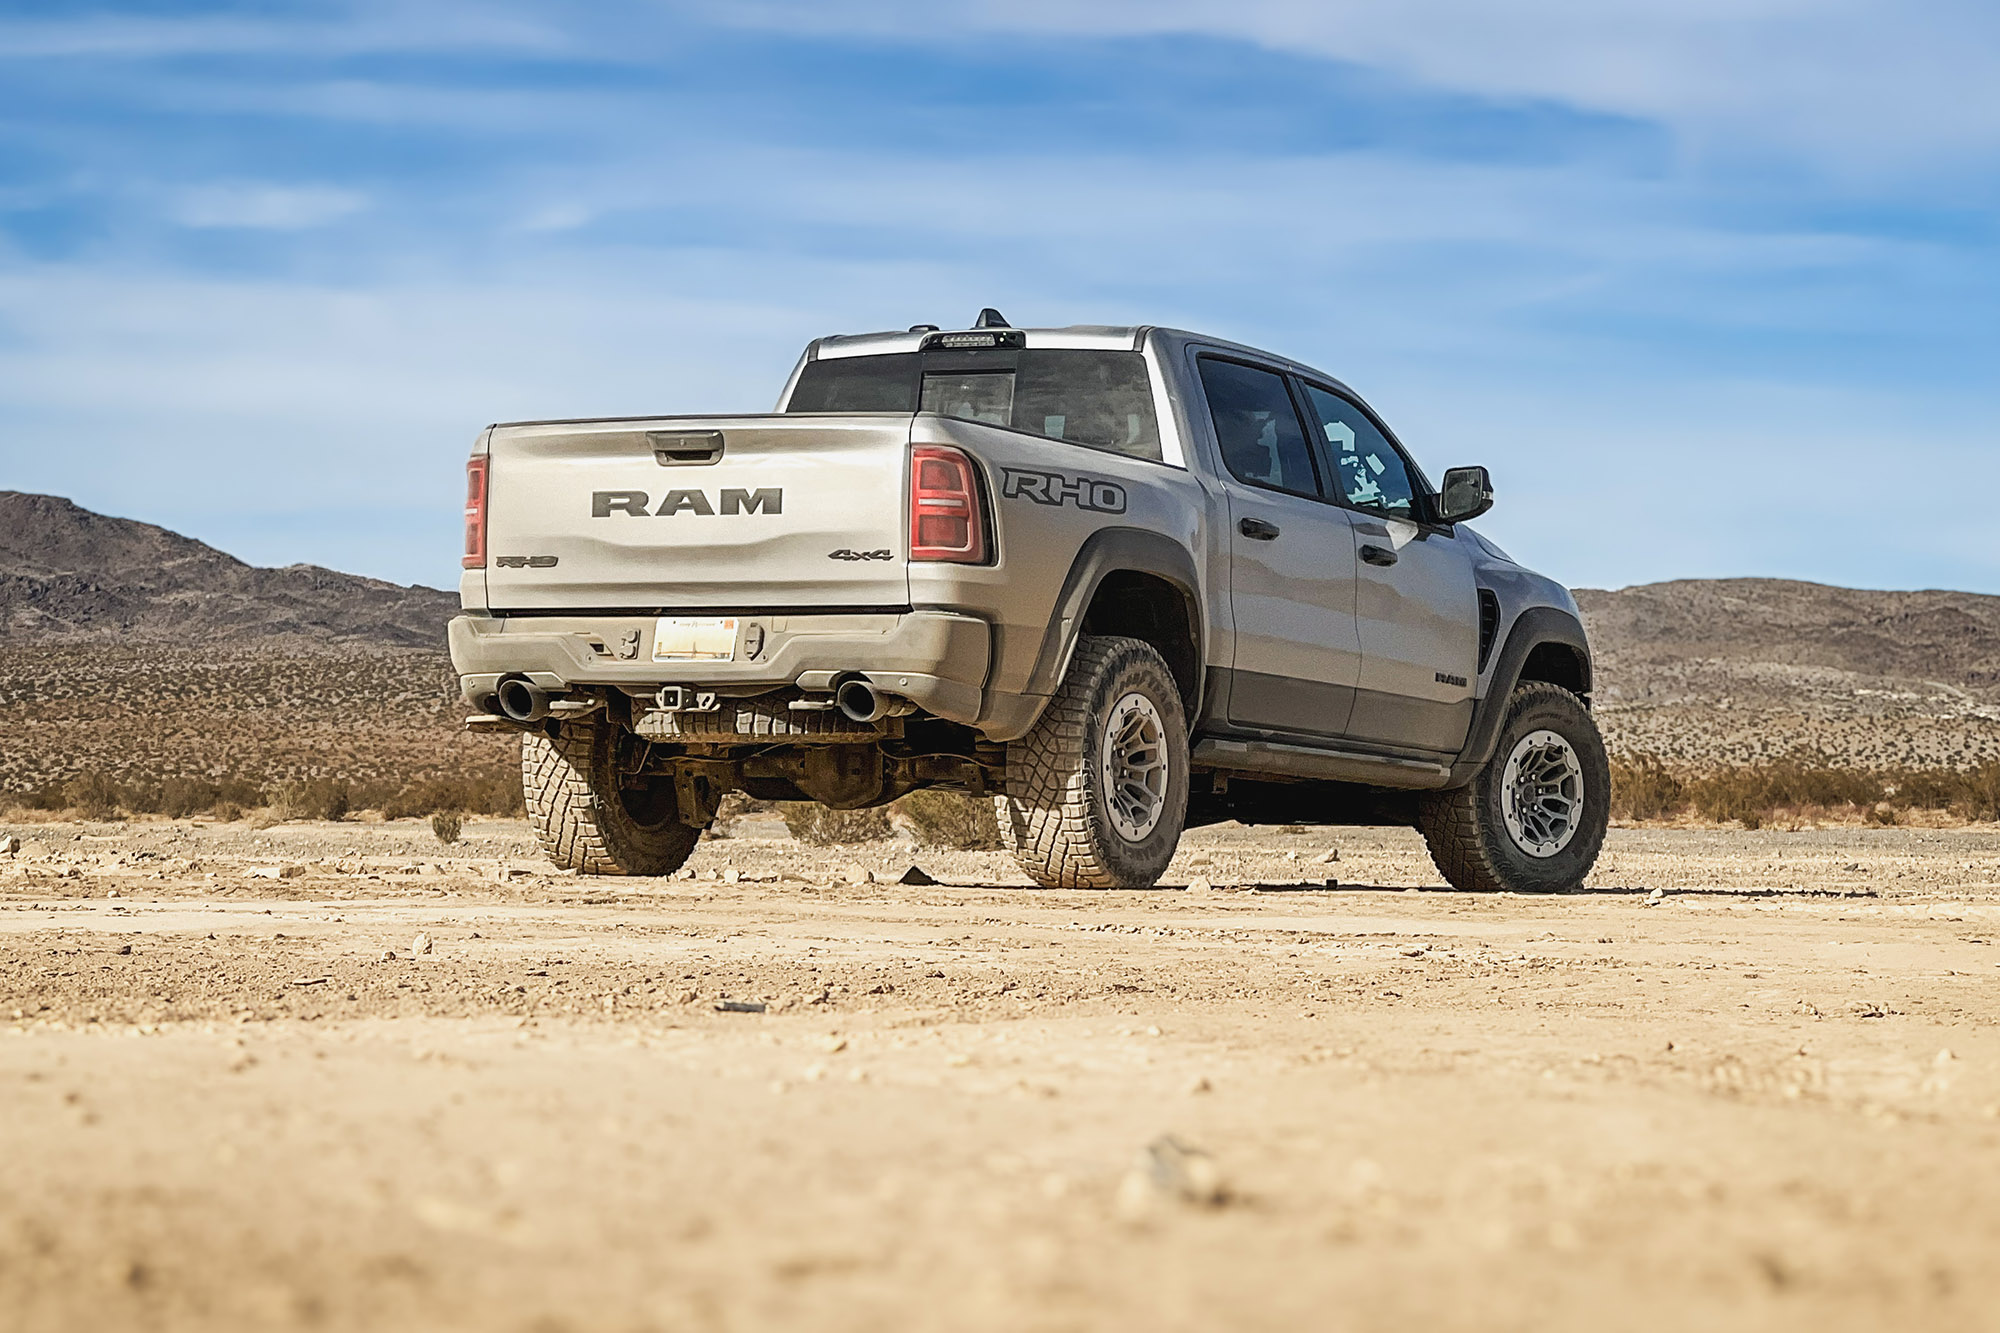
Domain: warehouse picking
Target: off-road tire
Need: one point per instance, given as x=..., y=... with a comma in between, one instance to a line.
x=1467, y=832
x=583, y=818
x=1053, y=816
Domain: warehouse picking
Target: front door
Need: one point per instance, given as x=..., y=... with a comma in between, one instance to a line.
x=1416, y=606
x=1292, y=576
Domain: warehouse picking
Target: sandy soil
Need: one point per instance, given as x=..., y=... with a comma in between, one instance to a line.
x=1746, y=1081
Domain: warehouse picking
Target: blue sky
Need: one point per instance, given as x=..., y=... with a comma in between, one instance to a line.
x=1710, y=286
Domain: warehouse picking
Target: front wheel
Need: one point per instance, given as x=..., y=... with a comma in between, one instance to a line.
x=1533, y=820
x=1097, y=791
x=589, y=817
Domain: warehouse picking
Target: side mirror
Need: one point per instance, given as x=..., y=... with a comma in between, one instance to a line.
x=1467, y=493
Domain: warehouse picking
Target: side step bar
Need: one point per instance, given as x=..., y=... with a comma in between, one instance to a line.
x=1304, y=761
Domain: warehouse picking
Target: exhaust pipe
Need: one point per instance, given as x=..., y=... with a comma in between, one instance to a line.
x=521, y=700
x=861, y=702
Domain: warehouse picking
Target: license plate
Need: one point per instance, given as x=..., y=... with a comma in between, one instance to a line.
x=693, y=639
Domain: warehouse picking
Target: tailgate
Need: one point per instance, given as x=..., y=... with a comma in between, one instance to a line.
x=726, y=512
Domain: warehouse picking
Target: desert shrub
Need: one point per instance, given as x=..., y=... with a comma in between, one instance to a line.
x=447, y=825
x=1729, y=794
x=1645, y=788
x=490, y=795
x=819, y=826
x=181, y=797
x=416, y=799
x=312, y=798
x=91, y=794
x=1981, y=792
x=497, y=796
x=1754, y=794
x=49, y=796
x=950, y=819
x=228, y=811
x=1927, y=789
x=239, y=791
x=733, y=807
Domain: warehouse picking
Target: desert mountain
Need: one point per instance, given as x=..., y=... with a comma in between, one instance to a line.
x=1733, y=670
x=1929, y=636
x=67, y=574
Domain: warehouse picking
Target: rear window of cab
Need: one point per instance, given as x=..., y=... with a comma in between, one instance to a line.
x=1097, y=399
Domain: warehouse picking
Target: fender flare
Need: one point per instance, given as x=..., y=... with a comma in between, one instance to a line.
x=1531, y=629
x=1106, y=552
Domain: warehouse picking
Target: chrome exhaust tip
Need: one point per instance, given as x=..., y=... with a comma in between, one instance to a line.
x=859, y=701
x=521, y=700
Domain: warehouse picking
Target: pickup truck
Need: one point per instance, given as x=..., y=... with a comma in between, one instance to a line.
x=1119, y=580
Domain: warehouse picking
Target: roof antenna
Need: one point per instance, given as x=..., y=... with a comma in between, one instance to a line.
x=989, y=318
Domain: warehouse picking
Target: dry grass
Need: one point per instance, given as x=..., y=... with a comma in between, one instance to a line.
x=818, y=826
x=937, y=819
x=950, y=820
x=1644, y=789
x=96, y=795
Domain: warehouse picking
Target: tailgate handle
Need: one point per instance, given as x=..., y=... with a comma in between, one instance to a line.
x=685, y=448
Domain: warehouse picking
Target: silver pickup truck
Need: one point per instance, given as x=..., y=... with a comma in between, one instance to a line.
x=1120, y=580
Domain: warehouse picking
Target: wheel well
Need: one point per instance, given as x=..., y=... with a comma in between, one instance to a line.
x=1558, y=664
x=1146, y=606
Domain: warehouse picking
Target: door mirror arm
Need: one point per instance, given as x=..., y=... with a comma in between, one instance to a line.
x=1466, y=494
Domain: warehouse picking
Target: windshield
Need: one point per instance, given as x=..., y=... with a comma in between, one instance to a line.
x=1101, y=400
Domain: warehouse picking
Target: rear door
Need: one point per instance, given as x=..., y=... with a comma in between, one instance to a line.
x=765, y=512
x=1417, y=607
x=1291, y=582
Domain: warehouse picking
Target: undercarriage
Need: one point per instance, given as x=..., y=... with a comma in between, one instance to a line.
x=775, y=746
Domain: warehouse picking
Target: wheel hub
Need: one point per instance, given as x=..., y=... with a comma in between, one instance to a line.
x=1541, y=793
x=1134, y=765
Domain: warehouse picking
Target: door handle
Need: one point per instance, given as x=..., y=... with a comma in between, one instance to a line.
x=1257, y=530
x=1378, y=555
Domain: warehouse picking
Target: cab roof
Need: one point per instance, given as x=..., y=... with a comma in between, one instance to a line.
x=1099, y=337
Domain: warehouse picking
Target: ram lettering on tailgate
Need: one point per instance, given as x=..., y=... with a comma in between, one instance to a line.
x=733, y=500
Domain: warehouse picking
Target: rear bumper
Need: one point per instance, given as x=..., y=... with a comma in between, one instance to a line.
x=936, y=659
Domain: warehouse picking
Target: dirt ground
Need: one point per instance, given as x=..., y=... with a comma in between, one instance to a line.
x=1746, y=1081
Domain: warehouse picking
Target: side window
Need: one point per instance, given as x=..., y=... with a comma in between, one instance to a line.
x=1369, y=471
x=1258, y=427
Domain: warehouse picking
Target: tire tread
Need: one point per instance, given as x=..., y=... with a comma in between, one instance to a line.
x=568, y=788
x=1047, y=816
x=1464, y=844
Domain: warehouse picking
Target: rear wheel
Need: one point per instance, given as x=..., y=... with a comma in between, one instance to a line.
x=588, y=817
x=1533, y=820
x=1097, y=790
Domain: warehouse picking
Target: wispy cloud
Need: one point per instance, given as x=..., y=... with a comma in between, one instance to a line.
x=277, y=207
x=1874, y=83
x=322, y=30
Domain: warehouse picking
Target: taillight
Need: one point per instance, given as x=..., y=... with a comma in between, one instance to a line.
x=945, y=518
x=475, y=513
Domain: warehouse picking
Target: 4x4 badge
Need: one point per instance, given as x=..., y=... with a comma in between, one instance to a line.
x=845, y=554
